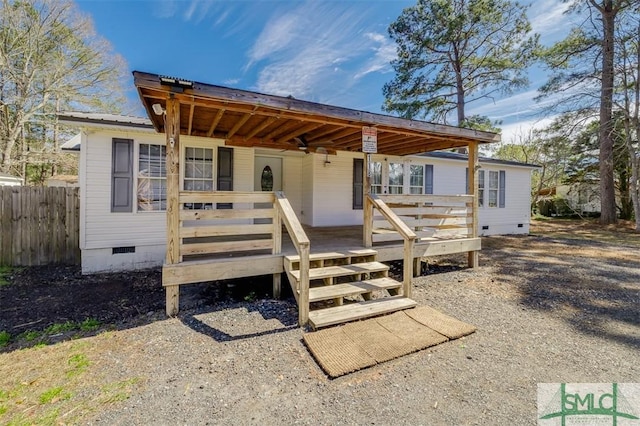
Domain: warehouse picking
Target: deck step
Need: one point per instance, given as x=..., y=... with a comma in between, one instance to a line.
x=334, y=255
x=343, y=270
x=317, y=294
x=355, y=311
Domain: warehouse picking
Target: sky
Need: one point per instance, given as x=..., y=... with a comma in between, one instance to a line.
x=332, y=52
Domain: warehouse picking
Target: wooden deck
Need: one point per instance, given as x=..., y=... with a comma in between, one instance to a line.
x=245, y=240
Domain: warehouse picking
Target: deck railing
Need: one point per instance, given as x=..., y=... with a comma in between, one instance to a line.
x=243, y=223
x=397, y=224
x=285, y=215
x=240, y=222
x=431, y=217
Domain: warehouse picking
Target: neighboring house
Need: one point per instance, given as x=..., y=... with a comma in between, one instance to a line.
x=123, y=185
x=9, y=180
x=581, y=198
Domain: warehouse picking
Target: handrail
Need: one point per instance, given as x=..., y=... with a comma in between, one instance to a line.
x=407, y=234
x=286, y=215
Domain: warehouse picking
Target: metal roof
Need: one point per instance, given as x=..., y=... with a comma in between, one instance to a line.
x=463, y=157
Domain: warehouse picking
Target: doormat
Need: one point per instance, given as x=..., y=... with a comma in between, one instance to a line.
x=350, y=347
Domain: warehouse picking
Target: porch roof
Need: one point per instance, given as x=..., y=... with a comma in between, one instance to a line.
x=244, y=118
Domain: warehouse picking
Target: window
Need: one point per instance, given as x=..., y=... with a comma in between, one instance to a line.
x=494, y=186
x=480, y=188
x=396, y=178
x=428, y=184
x=152, y=178
x=198, y=173
x=416, y=179
x=375, y=179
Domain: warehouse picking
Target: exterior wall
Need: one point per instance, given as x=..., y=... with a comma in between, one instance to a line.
x=319, y=192
x=332, y=191
x=517, y=210
x=102, y=231
x=308, y=190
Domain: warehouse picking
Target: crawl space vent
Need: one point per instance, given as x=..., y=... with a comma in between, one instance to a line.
x=123, y=250
x=485, y=227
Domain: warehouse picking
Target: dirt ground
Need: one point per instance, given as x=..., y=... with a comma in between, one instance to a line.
x=559, y=305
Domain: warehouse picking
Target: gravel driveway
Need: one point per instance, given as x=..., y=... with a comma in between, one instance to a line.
x=547, y=310
x=559, y=308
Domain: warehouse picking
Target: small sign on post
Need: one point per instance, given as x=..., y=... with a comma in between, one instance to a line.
x=369, y=140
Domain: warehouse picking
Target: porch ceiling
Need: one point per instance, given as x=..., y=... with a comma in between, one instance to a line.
x=251, y=119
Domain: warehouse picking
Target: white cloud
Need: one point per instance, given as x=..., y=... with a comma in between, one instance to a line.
x=511, y=133
x=316, y=46
x=548, y=18
x=385, y=52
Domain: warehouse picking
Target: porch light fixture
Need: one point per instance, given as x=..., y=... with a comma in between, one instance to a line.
x=157, y=108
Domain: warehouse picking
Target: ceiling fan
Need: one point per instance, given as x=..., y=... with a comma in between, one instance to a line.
x=304, y=145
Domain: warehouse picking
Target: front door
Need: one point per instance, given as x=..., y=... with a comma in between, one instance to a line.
x=267, y=177
x=268, y=174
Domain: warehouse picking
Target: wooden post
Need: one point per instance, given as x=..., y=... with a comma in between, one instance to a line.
x=407, y=270
x=473, y=190
x=367, y=212
x=277, y=248
x=172, y=132
x=303, y=297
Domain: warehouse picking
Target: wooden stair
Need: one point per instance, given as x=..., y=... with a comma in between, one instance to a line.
x=347, y=286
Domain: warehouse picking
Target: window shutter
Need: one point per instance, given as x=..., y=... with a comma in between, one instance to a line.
x=501, y=192
x=466, y=180
x=358, y=184
x=428, y=179
x=122, y=175
x=225, y=173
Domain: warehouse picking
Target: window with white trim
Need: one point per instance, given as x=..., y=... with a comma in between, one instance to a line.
x=376, y=177
x=396, y=178
x=494, y=186
x=416, y=179
x=152, y=178
x=198, y=173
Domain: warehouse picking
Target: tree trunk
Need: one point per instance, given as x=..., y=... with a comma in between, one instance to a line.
x=607, y=189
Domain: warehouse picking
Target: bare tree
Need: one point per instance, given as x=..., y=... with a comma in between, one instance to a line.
x=50, y=58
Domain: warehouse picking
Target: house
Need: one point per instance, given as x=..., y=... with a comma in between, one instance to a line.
x=206, y=183
x=582, y=198
x=10, y=180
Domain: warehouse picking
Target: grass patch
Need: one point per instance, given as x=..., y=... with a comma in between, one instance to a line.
x=90, y=324
x=5, y=271
x=30, y=335
x=53, y=395
x=78, y=363
x=5, y=338
x=61, y=327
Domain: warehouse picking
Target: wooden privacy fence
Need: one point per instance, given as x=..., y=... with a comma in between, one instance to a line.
x=39, y=225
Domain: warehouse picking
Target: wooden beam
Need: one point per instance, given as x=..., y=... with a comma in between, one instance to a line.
x=193, y=107
x=215, y=122
x=281, y=128
x=238, y=125
x=260, y=127
x=473, y=189
x=172, y=123
x=297, y=132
